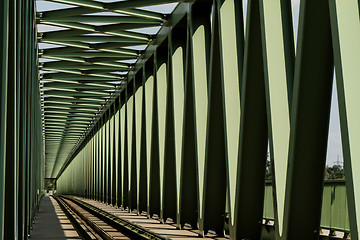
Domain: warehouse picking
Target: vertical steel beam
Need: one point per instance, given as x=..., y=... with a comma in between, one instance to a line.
x=253, y=134
x=188, y=190
x=200, y=29
x=214, y=195
x=278, y=92
x=303, y=143
x=11, y=157
x=232, y=37
x=127, y=153
x=18, y=134
x=161, y=101
x=98, y=161
x=104, y=159
x=149, y=96
x=120, y=154
x=308, y=135
x=109, y=156
x=93, y=165
x=154, y=189
x=132, y=147
x=176, y=66
x=27, y=122
x=114, y=157
x=101, y=160
x=90, y=162
x=345, y=29
x=196, y=107
x=22, y=141
x=169, y=197
x=105, y=154
x=138, y=133
x=143, y=161
x=4, y=25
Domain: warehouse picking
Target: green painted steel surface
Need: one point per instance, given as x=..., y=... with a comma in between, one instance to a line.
x=21, y=135
x=180, y=129
x=334, y=211
x=3, y=96
x=345, y=32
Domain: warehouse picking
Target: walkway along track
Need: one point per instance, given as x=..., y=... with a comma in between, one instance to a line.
x=94, y=223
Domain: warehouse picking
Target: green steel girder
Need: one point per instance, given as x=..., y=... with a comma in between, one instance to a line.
x=83, y=80
x=78, y=87
x=4, y=8
x=68, y=110
x=105, y=73
x=85, y=3
x=69, y=44
x=71, y=25
x=188, y=137
x=83, y=117
x=121, y=5
x=75, y=87
x=94, y=102
x=87, y=46
x=109, y=49
x=62, y=111
x=75, y=100
x=70, y=76
x=63, y=132
x=107, y=59
x=122, y=27
x=75, y=83
x=93, y=9
x=87, y=67
x=21, y=139
x=67, y=33
x=75, y=93
x=115, y=6
x=84, y=67
x=129, y=41
x=61, y=127
x=99, y=19
x=89, y=72
x=105, y=56
x=112, y=66
x=67, y=124
x=89, y=62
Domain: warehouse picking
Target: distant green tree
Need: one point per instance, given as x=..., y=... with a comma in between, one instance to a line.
x=268, y=168
x=334, y=172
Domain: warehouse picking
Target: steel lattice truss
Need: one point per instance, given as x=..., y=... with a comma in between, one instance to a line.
x=94, y=45
x=204, y=103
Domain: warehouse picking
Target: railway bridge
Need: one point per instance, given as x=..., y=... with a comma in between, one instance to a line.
x=168, y=110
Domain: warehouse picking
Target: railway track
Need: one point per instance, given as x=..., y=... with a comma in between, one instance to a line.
x=94, y=223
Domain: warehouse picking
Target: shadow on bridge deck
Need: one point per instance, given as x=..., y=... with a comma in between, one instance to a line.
x=52, y=223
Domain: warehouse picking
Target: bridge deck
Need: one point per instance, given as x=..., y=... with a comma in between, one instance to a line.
x=52, y=223
x=166, y=230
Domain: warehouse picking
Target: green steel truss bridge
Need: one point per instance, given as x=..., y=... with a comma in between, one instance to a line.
x=173, y=112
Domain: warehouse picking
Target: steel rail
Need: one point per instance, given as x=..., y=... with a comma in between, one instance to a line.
x=127, y=228
x=95, y=227
x=71, y=215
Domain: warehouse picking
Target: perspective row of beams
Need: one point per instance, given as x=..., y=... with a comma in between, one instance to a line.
x=85, y=71
x=212, y=149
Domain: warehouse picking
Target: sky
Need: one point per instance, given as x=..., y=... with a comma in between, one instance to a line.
x=334, y=151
